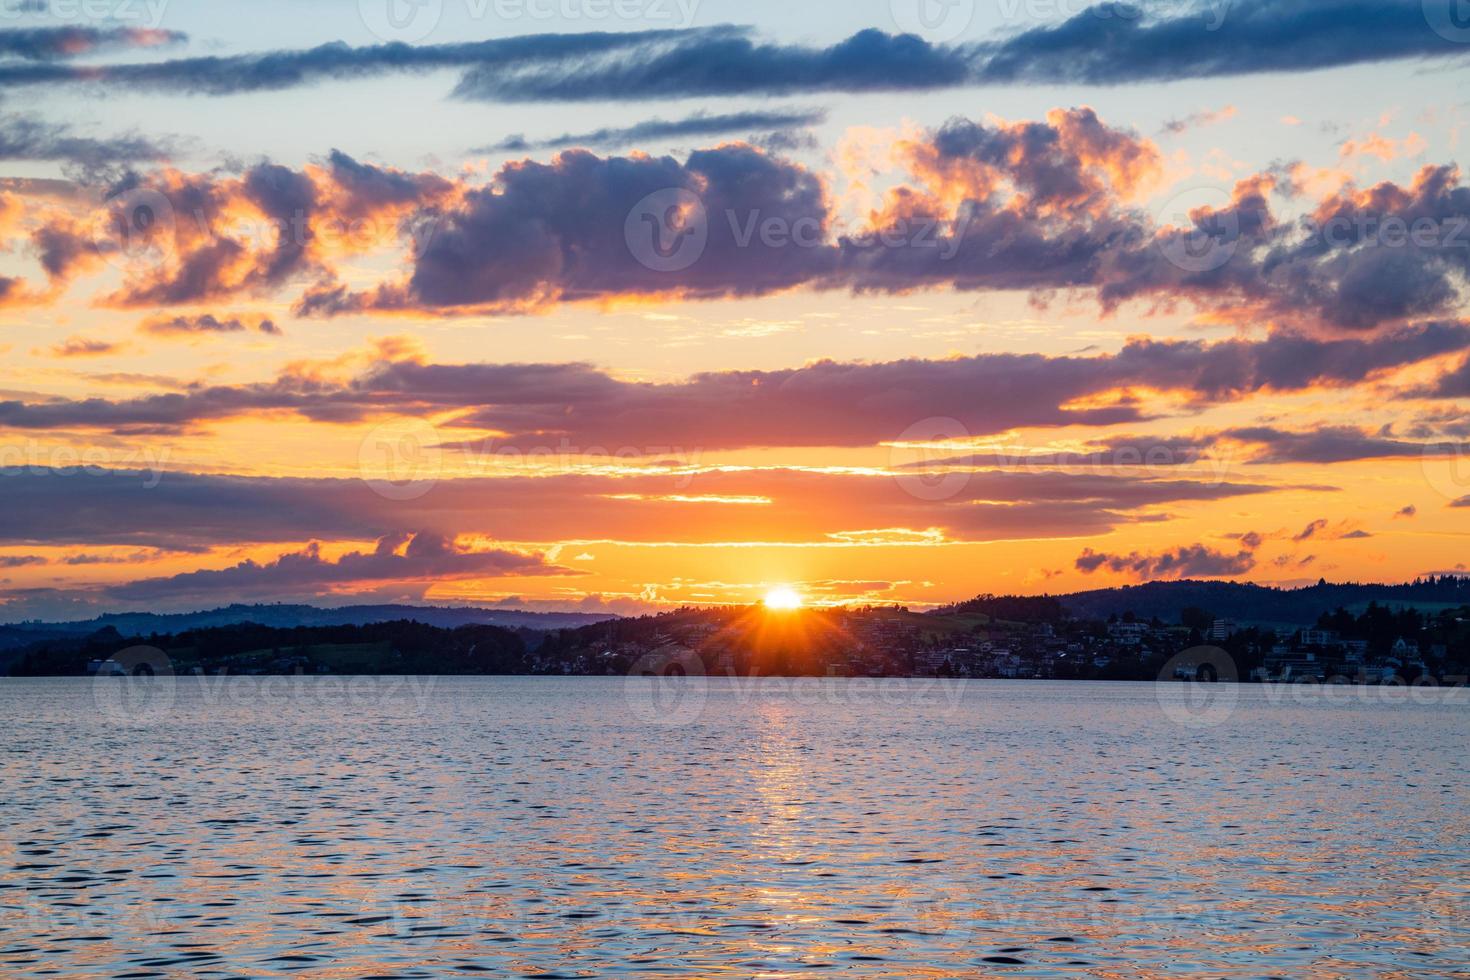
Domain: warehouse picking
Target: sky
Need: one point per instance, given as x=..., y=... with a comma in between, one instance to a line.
x=625, y=305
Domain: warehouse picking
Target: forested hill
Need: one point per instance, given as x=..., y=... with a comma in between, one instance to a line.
x=1259, y=604
x=288, y=616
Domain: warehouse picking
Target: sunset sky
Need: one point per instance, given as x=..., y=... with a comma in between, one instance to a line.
x=630, y=304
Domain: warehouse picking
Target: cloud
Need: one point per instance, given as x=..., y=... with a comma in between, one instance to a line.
x=60, y=43
x=1311, y=530
x=284, y=69
x=825, y=403
x=220, y=236
x=1107, y=44
x=1407, y=512
x=1323, y=529
x=727, y=62
x=1462, y=502
x=21, y=561
x=1198, y=120
x=397, y=558
x=1334, y=444
x=28, y=138
x=83, y=347
x=699, y=124
x=1047, y=207
x=1454, y=383
x=175, y=509
x=1115, y=43
x=1191, y=561
x=1036, y=206
x=204, y=324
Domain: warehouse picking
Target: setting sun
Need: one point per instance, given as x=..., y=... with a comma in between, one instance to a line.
x=783, y=599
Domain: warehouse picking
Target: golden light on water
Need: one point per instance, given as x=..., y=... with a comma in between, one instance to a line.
x=783, y=599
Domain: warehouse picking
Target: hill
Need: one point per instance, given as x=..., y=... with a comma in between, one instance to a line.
x=288, y=616
x=1261, y=604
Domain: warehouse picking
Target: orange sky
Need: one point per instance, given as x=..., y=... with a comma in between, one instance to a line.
x=907, y=360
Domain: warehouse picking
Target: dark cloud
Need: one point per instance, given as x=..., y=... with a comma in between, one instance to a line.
x=699, y=124
x=186, y=510
x=1311, y=530
x=1191, y=561
x=1036, y=206
x=1409, y=511
x=221, y=236
x=1109, y=43
x=275, y=70
x=27, y=138
x=1454, y=383
x=1334, y=444
x=421, y=556
x=822, y=404
x=83, y=347
x=60, y=43
x=1041, y=208
x=710, y=63
x=206, y=323
x=549, y=232
x=21, y=561
x=1115, y=43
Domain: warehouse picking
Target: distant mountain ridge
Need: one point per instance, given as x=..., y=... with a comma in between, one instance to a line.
x=1244, y=602
x=284, y=615
x=1260, y=604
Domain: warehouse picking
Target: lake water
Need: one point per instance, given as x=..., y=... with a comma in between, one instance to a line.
x=570, y=827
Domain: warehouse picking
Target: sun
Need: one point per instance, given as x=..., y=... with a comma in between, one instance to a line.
x=783, y=599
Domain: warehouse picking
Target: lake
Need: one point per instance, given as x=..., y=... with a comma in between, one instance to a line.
x=566, y=827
